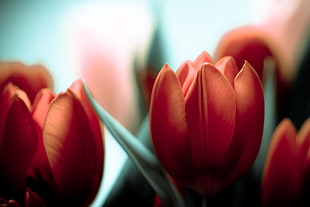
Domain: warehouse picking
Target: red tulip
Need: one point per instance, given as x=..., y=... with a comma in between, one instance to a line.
x=70, y=157
x=286, y=170
x=202, y=124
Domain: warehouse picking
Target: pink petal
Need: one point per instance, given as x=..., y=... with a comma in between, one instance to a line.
x=204, y=57
x=72, y=151
x=185, y=74
x=210, y=108
x=227, y=66
x=249, y=121
x=282, y=184
x=18, y=148
x=168, y=123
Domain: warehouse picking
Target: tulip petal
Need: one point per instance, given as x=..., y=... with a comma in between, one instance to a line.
x=249, y=121
x=204, y=57
x=72, y=151
x=185, y=74
x=8, y=92
x=77, y=89
x=227, y=66
x=282, y=184
x=40, y=176
x=41, y=105
x=168, y=124
x=18, y=148
x=210, y=108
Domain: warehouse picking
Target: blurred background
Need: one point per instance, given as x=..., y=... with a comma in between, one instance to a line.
x=108, y=42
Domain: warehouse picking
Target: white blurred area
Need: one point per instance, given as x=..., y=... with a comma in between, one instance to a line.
x=57, y=34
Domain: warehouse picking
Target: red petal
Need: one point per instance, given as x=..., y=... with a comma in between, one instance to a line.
x=282, y=182
x=185, y=74
x=18, y=147
x=249, y=121
x=40, y=173
x=210, y=108
x=8, y=92
x=41, y=105
x=169, y=128
x=77, y=89
x=227, y=66
x=204, y=57
x=72, y=151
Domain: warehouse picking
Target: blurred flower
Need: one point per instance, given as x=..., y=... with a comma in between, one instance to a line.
x=281, y=34
x=286, y=171
x=201, y=121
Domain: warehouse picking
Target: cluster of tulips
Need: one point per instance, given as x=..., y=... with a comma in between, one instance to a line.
x=205, y=125
x=51, y=145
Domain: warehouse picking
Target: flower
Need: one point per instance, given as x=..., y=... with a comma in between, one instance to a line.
x=281, y=34
x=286, y=170
x=202, y=122
x=69, y=164
x=247, y=43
